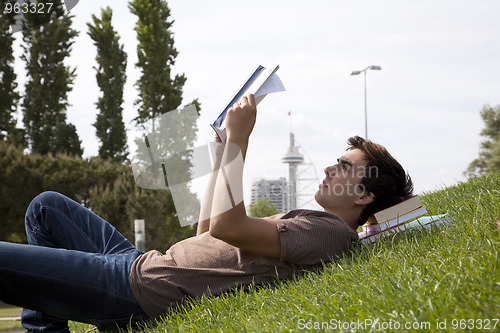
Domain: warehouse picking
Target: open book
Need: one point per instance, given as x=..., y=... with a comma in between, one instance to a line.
x=261, y=82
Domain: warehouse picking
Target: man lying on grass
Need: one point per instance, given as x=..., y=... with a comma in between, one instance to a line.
x=78, y=267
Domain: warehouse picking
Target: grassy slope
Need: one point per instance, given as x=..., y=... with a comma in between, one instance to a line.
x=448, y=274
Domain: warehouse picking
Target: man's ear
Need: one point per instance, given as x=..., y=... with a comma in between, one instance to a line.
x=365, y=198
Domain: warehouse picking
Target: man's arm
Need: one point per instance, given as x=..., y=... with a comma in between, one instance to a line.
x=208, y=196
x=256, y=235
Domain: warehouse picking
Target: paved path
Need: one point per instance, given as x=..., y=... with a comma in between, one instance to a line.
x=13, y=330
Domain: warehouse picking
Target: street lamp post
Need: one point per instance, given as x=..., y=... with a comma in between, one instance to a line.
x=375, y=68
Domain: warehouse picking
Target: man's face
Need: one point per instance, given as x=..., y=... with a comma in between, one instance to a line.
x=340, y=187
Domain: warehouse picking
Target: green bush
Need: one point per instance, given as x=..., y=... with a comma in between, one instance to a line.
x=106, y=186
x=24, y=176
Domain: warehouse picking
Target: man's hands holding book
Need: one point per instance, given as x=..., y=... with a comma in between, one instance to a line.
x=240, y=121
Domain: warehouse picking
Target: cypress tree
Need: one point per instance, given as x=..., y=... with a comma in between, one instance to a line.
x=49, y=81
x=158, y=91
x=9, y=97
x=111, y=78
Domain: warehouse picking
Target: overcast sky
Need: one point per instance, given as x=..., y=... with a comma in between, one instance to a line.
x=440, y=64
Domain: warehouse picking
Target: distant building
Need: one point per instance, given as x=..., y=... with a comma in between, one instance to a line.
x=274, y=190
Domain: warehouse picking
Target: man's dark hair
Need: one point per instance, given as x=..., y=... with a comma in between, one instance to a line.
x=384, y=177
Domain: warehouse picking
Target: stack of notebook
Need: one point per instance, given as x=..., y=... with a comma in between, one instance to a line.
x=398, y=218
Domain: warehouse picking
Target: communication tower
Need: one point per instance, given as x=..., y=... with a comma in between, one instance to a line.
x=293, y=158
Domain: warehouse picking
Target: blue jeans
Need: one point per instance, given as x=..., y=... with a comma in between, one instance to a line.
x=75, y=267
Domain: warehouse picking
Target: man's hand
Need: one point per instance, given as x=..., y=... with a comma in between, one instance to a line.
x=240, y=121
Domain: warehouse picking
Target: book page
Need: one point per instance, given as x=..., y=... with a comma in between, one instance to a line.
x=272, y=85
x=261, y=82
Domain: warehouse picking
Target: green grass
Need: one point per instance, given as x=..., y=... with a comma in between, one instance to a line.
x=445, y=279
x=8, y=325
x=10, y=311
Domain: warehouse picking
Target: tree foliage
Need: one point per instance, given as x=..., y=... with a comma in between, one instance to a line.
x=25, y=176
x=111, y=78
x=263, y=208
x=49, y=81
x=158, y=91
x=9, y=97
x=489, y=153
